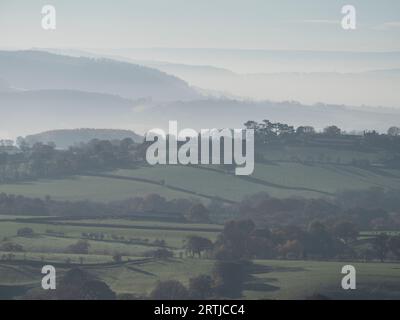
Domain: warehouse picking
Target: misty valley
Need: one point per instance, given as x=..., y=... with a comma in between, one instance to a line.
x=208, y=153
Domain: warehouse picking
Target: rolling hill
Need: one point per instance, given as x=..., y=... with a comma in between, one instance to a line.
x=55, y=109
x=280, y=179
x=65, y=138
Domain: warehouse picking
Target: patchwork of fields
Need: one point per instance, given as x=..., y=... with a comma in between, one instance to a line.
x=136, y=274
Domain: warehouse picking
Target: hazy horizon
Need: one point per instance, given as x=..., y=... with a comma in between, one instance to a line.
x=257, y=50
x=251, y=24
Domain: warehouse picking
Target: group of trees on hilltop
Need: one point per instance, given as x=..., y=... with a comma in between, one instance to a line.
x=271, y=129
x=267, y=131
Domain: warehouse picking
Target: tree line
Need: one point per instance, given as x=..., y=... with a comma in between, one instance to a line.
x=268, y=132
x=24, y=161
x=40, y=160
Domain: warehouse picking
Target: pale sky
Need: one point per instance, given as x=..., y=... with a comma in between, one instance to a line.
x=239, y=24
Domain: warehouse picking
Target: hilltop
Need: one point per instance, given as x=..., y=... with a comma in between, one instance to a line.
x=69, y=137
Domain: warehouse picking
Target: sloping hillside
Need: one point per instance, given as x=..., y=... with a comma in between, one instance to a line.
x=36, y=70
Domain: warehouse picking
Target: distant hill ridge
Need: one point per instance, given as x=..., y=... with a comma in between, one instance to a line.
x=37, y=70
x=68, y=137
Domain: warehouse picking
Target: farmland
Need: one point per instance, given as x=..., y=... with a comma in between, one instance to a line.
x=137, y=275
x=279, y=179
x=120, y=248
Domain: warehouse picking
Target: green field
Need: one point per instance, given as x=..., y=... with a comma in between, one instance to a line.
x=173, y=238
x=267, y=279
x=87, y=187
x=317, y=153
x=137, y=274
x=299, y=279
x=271, y=279
x=280, y=179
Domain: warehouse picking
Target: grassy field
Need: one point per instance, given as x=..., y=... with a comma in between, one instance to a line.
x=279, y=179
x=375, y=233
x=87, y=187
x=299, y=279
x=137, y=237
x=304, y=153
x=270, y=279
x=10, y=217
x=326, y=177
